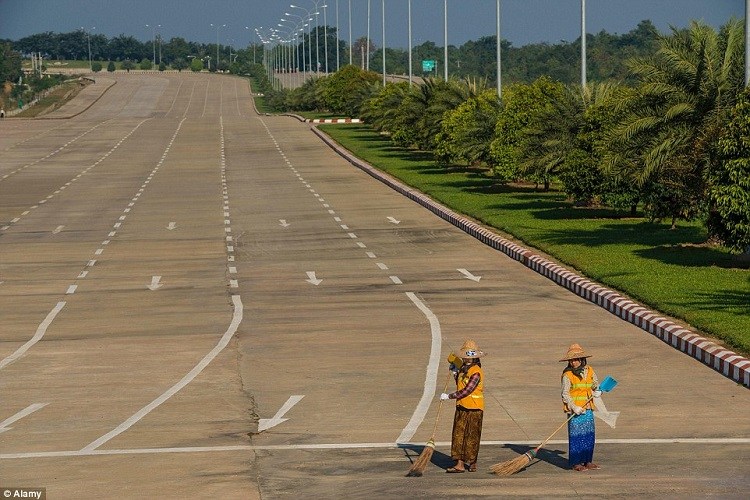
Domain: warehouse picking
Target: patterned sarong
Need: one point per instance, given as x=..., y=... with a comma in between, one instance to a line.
x=467, y=433
x=581, y=439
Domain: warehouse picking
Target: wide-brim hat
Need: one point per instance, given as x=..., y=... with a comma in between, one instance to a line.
x=575, y=351
x=470, y=350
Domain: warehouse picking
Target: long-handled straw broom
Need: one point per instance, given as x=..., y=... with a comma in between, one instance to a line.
x=510, y=467
x=420, y=464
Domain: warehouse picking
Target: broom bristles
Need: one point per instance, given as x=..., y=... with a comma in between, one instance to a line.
x=510, y=467
x=420, y=464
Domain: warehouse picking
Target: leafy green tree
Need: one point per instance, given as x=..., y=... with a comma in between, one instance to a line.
x=520, y=103
x=179, y=64
x=671, y=123
x=196, y=65
x=96, y=66
x=162, y=66
x=467, y=131
x=127, y=65
x=10, y=64
x=145, y=64
x=111, y=67
x=346, y=90
x=729, y=193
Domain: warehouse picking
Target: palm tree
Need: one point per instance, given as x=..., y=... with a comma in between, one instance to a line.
x=563, y=131
x=673, y=119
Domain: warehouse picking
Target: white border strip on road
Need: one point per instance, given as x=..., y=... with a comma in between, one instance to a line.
x=40, y=331
x=234, y=325
x=430, y=376
x=346, y=446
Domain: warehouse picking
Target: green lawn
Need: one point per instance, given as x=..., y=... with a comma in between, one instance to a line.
x=667, y=270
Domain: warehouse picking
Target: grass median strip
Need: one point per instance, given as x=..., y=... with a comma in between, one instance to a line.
x=671, y=271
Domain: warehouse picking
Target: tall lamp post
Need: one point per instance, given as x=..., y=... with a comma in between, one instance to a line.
x=445, y=39
x=382, y=9
x=367, y=49
x=308, y=15
x=338, y=58
x=410, y=70
x=498, y=54
x=325, y=34
x=88, y=39
x=303, y=22
x=583, y=43
x=217, y=26
x=747, y=43
x=153, y=38
x=350, y=32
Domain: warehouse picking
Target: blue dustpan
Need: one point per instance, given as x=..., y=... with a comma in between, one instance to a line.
x=607, y=384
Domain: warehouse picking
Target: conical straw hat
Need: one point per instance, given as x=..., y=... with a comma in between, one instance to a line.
x=471, y=350
x=575, y=351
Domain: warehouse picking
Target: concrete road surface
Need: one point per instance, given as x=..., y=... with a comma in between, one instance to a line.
x=198, y=302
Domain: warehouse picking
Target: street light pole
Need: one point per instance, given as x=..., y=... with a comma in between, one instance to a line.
x=153, y=38
x=583, y=43
x=337, y=36
x=325, y=33
x=498, y=54
x=382, y=8
x=350, y=32
x=747, y=43
x=410, y=70
x=445, y=39
x=367, y=50
x=217, y=26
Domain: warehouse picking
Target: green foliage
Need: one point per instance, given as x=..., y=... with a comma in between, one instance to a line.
x=196, y=65
x=145, y=64
x=466, y=131
x=111, y=67
x=179, y=64
x=347, y=89
x=10, y=64
x=162, y=66
x=668, y=270
x=730, y=181
x=127, y=65
x=672, y=120
x=96, y=66
x=520, y=103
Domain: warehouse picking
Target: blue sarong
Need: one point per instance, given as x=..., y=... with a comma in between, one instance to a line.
x=581, y=438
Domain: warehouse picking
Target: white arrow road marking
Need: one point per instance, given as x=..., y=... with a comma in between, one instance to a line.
x=267, y=423
x=40, y=331
x=172, y=225
x=312, y=279
x=18, y=416
x=57, y=229
x=155, y=285
x=284, y=223
x=469, y=275
x=393, y=220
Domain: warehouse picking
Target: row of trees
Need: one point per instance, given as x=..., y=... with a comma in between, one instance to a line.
x=75, y=46
x=606, y=53
x=675, y=142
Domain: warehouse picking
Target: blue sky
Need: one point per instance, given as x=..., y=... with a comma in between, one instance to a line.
x=523, y=21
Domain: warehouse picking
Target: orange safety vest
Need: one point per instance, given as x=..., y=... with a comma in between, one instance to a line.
x=580, y=389
x=475, y=400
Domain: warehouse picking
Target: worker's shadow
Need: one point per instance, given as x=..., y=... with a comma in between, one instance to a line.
x=553, y=457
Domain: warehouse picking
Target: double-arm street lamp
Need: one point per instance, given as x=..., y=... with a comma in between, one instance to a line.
x=153, y=37
x=217, y=26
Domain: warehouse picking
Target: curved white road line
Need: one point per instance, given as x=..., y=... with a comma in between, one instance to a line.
x=40, y=331
x=430, y=377
x=236, y=320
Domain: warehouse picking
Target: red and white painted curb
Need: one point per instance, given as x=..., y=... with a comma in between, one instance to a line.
x=729, y=363
x=334, y=120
